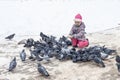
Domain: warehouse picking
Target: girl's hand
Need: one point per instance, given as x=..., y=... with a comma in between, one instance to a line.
x=70, y=36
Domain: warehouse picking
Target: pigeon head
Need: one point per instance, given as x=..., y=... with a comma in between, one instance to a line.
x=41, y=34
x=23, y=50
x=73, y=49
x=14, y=59
x=117, y=56
x=39, y=64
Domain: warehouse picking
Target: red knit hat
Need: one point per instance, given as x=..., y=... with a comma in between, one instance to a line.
x=78, y=17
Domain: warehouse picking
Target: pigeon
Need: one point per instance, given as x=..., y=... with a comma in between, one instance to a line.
x=29, y=43
x=85, y=57
x=117, y=58
x=10, y=37
x=36, y=54
x=46, y=57
x=50, y=54
x=74, y=58
x=61, y=56
x=13, y=64
x=108, y=51
x=104, y=55
x=44, y=37
x=91, y=57
x=118, y=62
x=118, y=66
x=41, y=69
x=31, y=55
x=23, y=55
x=24, y=41
x=65, y=40
x=98, y=61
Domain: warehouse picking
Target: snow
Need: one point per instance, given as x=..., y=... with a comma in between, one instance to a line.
x=55, y=17
x=4, y=61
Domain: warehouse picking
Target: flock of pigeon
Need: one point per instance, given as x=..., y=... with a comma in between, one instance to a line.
x=48, y=47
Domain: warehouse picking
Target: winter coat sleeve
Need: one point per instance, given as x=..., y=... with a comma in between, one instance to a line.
x=81, y=31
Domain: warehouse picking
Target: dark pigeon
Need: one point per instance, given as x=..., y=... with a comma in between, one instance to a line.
x=117, y=59
x=13, y=64
x=118, y=62
x=29, y=43
x=42, y=70
x=91, y=57
x=74, y=58
x=74, y=55
x=10, y=37
x=36, y=54
x=23, y=55
x=108, y=51
x=60, y=56
x=65, y=40
x=44, y=37
x=118, y=66
x=85, y=57
x=51, y=53
x=99, y=61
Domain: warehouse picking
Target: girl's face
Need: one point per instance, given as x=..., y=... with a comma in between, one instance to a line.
x=77, y=23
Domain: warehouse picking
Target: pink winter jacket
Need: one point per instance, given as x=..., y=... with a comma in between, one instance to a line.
x=78, y=32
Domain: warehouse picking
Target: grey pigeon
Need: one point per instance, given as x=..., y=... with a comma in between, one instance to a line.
x=42, y=70
x=10, y=37
x=46, y=57
x=13, y=64
x=104, y=55
x=23, y=55
x=24, y=41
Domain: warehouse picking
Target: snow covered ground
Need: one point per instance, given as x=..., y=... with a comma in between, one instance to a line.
x=56, y=16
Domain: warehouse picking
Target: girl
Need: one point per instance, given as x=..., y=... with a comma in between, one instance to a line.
x=77, y=33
